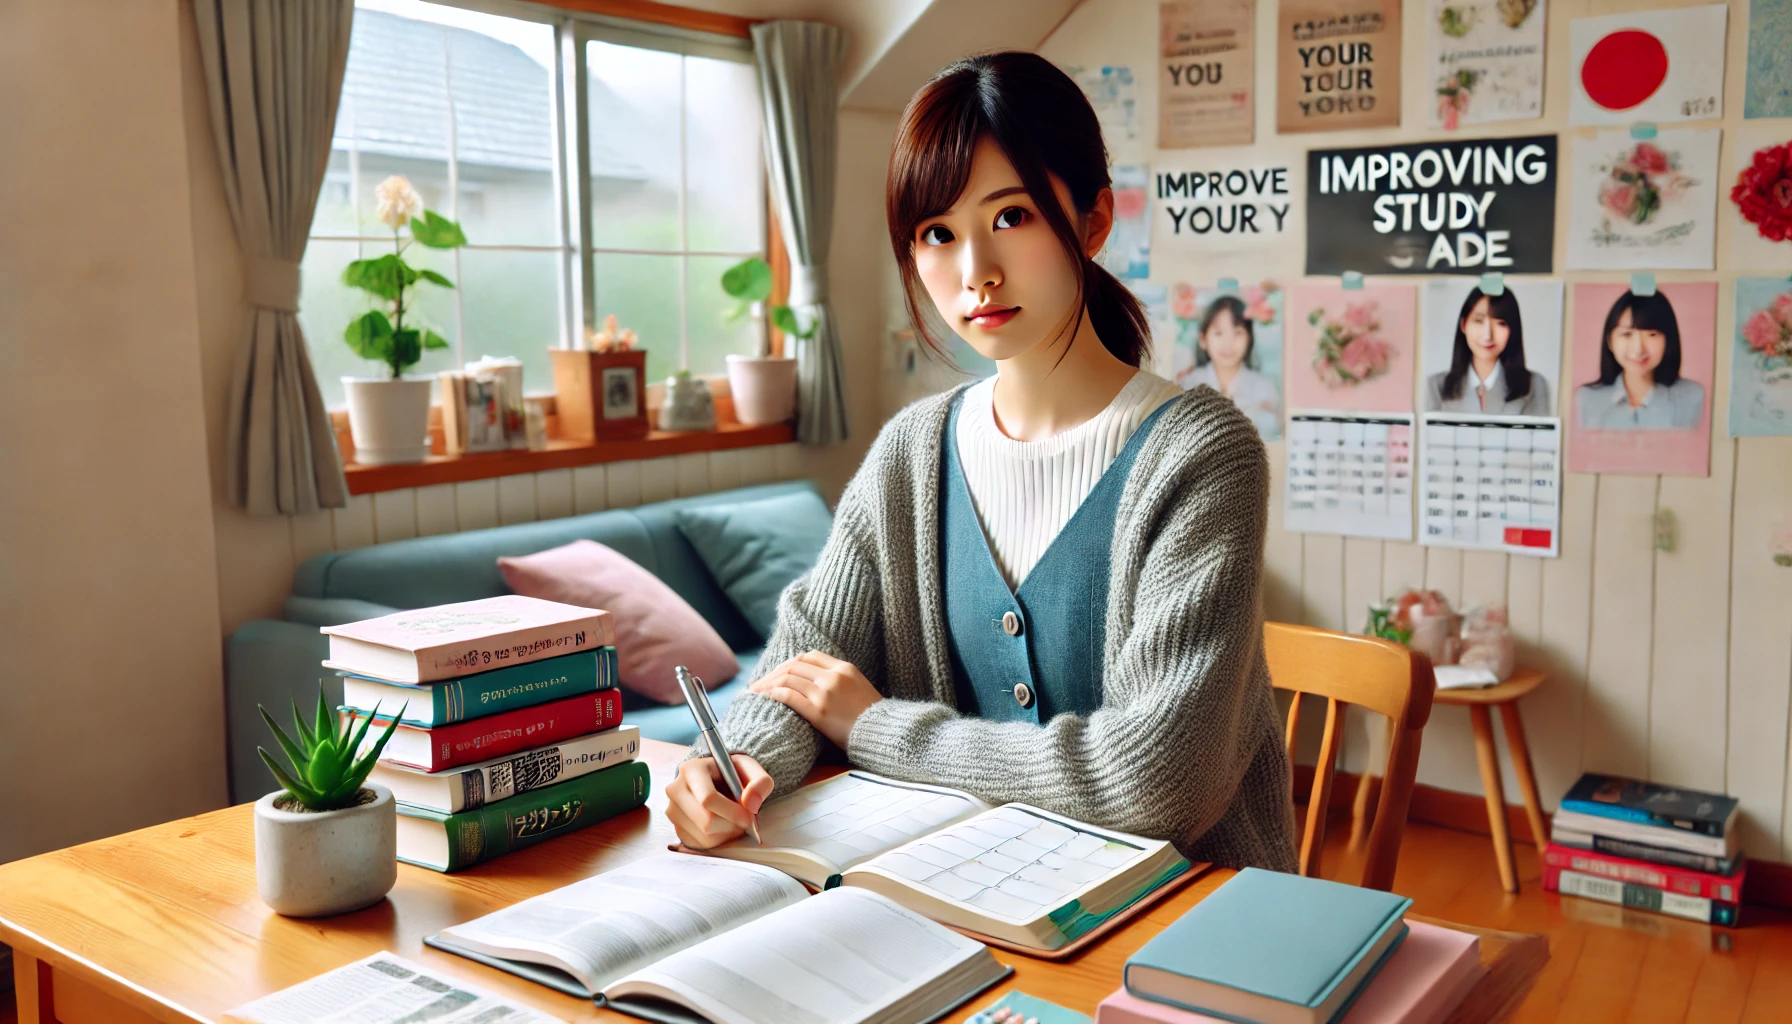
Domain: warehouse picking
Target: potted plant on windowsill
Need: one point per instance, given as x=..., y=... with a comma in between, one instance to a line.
x=389, y=416
x=327, y=842
x=763, y=385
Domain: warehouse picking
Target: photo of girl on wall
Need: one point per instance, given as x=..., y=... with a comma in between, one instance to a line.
x=1232, y=342
x=1639, y=385
x=1479, y=356
x=1643, y=367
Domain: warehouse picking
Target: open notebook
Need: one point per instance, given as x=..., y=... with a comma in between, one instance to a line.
x=686, y=939
x=1014, y=872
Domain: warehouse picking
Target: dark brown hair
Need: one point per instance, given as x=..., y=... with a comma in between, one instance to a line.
x=1046, y=127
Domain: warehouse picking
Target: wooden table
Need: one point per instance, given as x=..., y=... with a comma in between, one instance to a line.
x=164, y=924
x=1505, y=697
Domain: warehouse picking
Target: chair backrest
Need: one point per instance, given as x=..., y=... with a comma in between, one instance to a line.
x=1371, y=673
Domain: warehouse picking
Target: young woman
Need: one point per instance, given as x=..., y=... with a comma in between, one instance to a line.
x=1639, y=385
x=1224, y=361
x=1044, y=586
x=1489, y=342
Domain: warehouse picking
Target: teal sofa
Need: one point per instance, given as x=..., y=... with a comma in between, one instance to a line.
x=274, y=662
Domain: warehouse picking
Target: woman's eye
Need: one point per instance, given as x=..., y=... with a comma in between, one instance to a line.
x=936, y=235
x=1012, y=217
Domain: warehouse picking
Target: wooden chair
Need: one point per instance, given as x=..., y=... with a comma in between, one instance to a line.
x=1379, y=675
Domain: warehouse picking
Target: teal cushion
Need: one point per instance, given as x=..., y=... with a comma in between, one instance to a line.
x=755, y=549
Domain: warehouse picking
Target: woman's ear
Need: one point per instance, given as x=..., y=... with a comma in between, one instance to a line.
x=1098, y=222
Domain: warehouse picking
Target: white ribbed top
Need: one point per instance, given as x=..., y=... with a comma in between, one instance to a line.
x=1025, y=491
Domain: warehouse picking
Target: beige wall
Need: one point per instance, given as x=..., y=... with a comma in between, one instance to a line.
x=110, y=697
x=1674, y=666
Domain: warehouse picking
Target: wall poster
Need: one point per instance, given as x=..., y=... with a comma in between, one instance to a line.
x=1111, y=93
x=1654, y=66
x=1761, y=358
x=1231, y=341
x=1768, y=92
x=1648, y=203
x=1127, y=253
x=1350, y=349
x=1337, y=65
x=1641, y=379
x=1486, y=59
x=1204, y=79
x=1222, y=206
x=1490, y=354
x=1433, y=208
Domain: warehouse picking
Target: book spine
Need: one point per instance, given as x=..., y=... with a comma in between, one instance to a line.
x=526, y=645
x=482, y=739
x=1660, y=876
x=475, y=837
x=1641, y=817
x=1663, y=855
x=523, y=686
x=1640, y=897
x=534, y=769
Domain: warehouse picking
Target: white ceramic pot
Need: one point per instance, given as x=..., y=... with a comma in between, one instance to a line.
x=327, y=862
x=389, y=419
x=764, y=388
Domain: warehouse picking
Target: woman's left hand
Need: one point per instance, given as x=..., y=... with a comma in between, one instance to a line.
x=829, y=693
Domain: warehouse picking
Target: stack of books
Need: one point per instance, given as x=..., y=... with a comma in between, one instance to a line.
x=1272, y=948
x=1660, y=848
x=509, y=723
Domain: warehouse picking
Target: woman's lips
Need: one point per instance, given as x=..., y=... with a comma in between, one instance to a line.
x=995, y=317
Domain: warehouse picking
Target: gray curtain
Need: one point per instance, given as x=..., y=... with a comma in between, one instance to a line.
x=798, y=62
x=273, y=75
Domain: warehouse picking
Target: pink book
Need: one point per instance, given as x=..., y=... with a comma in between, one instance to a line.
x=1424, y=979
x=427, y=644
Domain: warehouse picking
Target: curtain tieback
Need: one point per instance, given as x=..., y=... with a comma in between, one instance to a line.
x=808, y=285
x=272, y=283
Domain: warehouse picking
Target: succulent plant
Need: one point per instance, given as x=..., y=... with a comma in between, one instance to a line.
x=326, y=775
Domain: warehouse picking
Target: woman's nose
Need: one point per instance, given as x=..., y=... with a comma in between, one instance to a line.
x=979, y=267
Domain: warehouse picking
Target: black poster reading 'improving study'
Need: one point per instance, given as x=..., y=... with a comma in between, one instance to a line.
x=1433, y=208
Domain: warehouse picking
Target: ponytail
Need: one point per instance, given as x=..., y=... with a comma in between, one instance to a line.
x=1117, y=315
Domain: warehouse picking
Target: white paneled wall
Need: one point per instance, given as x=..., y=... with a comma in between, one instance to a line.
x=528, y=497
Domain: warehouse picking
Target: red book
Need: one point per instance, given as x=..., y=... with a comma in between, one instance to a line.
x=1657, y=876
x=480, y=739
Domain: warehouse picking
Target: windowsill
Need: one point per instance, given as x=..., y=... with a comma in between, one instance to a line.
x=560, y=453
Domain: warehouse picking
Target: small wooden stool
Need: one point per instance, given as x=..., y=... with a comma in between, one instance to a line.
x=1505, y=696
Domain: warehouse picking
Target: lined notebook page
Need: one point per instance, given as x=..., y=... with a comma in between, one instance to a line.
x=853, y=817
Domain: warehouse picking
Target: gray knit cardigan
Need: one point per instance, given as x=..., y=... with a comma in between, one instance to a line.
x=1186, y=745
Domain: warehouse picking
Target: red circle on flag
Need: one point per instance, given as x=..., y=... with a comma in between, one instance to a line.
x=1624, y=69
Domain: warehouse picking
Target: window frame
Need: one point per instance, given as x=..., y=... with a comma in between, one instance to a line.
x=640, y=23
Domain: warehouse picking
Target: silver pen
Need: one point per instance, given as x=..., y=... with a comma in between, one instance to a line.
x=698, y=699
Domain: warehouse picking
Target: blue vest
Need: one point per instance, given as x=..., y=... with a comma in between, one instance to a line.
x=1026, y=655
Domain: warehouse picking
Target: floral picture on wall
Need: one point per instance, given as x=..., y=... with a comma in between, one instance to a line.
x=1350, y=350
x=1644, y=203
x=1486, y=59
x=1761, y=358
x=1231, y=341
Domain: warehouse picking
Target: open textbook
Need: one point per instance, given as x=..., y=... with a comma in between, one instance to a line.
x=675, y=938
x=1014, y=872
x=384, y=989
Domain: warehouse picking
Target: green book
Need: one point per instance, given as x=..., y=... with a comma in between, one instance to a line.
x=450, y=842
x=484, y=693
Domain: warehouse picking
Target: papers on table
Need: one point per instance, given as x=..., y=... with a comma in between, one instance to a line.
x=384, y=989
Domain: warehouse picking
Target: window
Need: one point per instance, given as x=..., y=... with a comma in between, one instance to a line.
x=668, y=191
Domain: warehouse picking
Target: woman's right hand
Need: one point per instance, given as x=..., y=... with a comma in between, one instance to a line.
x=702, y=813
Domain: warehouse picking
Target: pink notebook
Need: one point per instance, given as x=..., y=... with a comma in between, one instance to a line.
x=1420, y=984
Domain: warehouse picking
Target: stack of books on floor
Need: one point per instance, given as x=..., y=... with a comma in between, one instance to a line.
x=1272, y=948
x=510, y=731
x=1660, y=848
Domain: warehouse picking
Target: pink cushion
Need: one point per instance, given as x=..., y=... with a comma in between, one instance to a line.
x=655, y=628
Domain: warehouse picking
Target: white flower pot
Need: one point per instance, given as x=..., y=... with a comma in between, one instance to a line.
x=764, y=388
x=389, y=419
x=309, y=864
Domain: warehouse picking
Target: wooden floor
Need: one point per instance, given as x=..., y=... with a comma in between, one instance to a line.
x=1606, y=964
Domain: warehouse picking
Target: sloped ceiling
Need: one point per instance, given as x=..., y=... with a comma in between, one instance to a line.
x=893, y=46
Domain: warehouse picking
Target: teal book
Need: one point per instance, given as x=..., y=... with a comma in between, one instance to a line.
x=1271, y=948
x=451, y=842
x=484, y=693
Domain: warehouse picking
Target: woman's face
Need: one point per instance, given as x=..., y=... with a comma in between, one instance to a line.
x=994, y=269
x=1226, y=341
x=1637, y=351
x=1486, y=334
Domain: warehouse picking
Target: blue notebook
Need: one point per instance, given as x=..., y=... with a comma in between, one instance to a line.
x=1271, y=948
